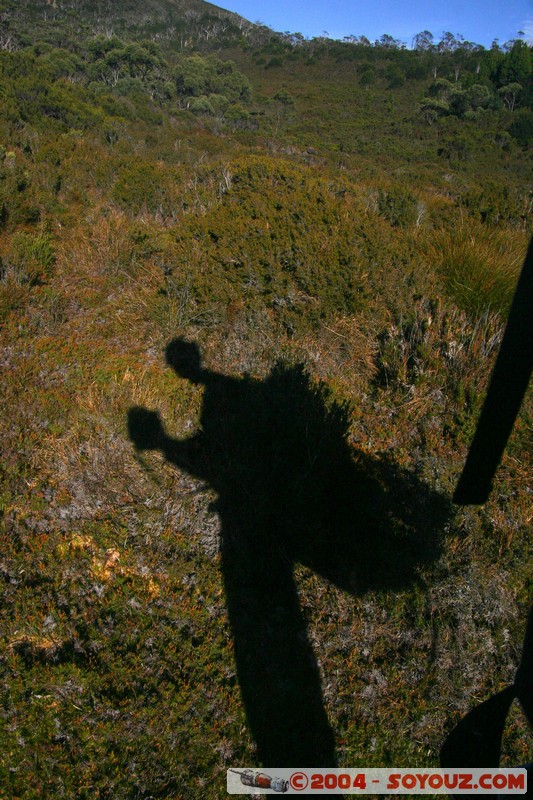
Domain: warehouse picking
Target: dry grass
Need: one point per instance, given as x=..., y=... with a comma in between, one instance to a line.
x=479, y=266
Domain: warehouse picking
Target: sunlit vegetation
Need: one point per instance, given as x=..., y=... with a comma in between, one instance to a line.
x=339, y=226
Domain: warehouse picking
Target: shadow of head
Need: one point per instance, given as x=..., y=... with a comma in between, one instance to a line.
x=185, y=359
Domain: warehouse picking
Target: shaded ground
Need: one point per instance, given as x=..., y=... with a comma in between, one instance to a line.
x=291, y=490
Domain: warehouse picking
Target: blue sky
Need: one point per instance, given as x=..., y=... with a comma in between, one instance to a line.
x=479, y=21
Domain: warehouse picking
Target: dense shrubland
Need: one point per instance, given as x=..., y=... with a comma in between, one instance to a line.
x=279, y=202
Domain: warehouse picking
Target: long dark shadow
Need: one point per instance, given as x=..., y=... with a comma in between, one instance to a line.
x=290, y=489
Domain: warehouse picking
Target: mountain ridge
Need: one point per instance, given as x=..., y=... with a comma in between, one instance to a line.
x=156, y=9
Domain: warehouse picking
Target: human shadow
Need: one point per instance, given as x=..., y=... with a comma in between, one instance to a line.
x=290, y=489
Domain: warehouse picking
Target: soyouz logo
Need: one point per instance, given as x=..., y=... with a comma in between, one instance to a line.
x=246, y=780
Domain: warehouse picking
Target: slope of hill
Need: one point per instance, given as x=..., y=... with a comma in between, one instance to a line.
x=213, y=565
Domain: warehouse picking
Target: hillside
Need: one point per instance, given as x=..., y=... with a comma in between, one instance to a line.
x=251, y=292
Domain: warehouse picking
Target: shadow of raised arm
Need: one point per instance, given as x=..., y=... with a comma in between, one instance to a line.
x=147, y=432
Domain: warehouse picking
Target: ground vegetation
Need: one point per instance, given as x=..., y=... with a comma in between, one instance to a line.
x=251, y=290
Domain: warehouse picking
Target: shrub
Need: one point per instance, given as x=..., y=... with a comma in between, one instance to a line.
x=432, y=108
x=276, y=236
x=275, y=61
x=201, y=105
x=497, y=204
x=395, y=76
x=479, y=266
x=238, y=118
x=368, y=74
x=197, y=76
x=398, y=206
x=31, y=259
x=521, y=128
x=284, y=98
x=143, y=185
